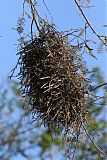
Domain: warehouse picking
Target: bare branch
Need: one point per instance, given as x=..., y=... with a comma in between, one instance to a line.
x=101, y=85
x=34, y=14
x=47, y=9
x=88, y=22
x=88, y=134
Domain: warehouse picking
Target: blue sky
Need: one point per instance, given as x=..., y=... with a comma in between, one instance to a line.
x=61, y=11
x=66, y=16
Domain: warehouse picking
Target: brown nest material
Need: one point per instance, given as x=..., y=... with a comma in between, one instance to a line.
x=51, y=80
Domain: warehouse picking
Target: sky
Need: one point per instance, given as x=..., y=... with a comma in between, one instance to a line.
x=62, y=12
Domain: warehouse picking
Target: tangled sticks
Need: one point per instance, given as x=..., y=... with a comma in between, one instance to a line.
x=51, y=80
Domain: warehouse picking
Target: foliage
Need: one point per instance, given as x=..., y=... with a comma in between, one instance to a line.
x=98, y=127
x=22, y=137
x=17, y=137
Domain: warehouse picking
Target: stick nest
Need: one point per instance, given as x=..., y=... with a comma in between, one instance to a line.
x=52, y=80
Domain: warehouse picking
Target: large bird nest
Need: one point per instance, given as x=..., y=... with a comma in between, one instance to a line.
x=52, y=80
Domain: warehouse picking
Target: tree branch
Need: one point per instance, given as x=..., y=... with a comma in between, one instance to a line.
x=100, y=151
x=33, y=14
x=101, y=85
x=89, y=24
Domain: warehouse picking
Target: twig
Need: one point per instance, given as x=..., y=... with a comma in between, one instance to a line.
x=32, y=29
x=22, y=132
x=89, y=24
x=33, y=14
x=23, y=8
x=47, y=9
x=13, y=70
x=87, y=6
x=101, y=85
x=100, y=151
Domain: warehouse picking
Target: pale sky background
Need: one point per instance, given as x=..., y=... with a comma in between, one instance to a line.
x=62, y=12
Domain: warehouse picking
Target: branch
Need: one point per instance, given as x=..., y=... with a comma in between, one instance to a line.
x=47, y=9
x=33, y=14
x=100, y=151
x=86, y=19
x=101, y=85
x=22, y=152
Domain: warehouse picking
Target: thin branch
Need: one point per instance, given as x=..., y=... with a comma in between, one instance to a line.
x=86, y=6
x=47, y=9
x=88, y=22
x=22, y=152
x=34, y=14
x=27, y=130
x=23, y=8
x=100, y=151
x=13, y=70
x=32, y=29
x=101, y=85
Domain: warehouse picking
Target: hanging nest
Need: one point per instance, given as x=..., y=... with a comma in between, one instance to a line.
x=52, y=80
